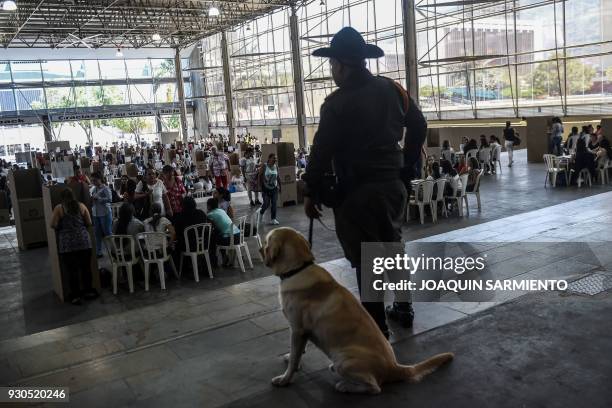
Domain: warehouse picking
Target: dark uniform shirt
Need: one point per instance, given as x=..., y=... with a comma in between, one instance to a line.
x=361, y=126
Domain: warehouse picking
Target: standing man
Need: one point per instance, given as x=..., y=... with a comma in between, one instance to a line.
x=219, y=164
x=360, y=128
x=510, y=138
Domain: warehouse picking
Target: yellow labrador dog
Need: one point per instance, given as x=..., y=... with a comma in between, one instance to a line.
x=319, y=309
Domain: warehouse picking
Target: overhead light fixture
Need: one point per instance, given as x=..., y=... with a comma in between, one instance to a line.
x=9, y=5
x=322, y=3
x=156, y=37
x=119, y=54
x=213, y=12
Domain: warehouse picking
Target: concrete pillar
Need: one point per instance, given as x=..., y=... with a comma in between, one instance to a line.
x=410, y=49
x=180, y=86
x=227, y=84
x=298, y=77
x=47, y=128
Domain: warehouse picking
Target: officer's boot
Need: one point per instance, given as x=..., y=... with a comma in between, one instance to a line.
x=402, y=313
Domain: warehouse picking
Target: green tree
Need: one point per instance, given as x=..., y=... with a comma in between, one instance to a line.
x=545, y=78
x=134, y=126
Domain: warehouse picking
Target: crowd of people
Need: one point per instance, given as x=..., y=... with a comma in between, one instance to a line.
x=154, y=192
x=587, y=148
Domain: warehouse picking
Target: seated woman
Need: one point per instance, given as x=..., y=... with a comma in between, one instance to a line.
x=473, y=170
x=583, y=159
x=158, y=223
x=188, y=217
x=224, y=198
x=127, y=224
x=223, y=228
x=471, y=145
x=461, y=166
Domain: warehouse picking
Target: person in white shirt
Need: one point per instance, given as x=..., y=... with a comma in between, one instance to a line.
x=248, y=165
x=154, y=188
x=572, y=140
x=159, y=223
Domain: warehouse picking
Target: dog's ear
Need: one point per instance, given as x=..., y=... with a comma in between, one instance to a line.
x=272, y=251
x=303, y=250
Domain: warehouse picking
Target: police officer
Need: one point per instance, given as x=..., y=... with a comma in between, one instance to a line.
x=360, y=127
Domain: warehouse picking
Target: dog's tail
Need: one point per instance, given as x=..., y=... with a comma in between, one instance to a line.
x=415, y=373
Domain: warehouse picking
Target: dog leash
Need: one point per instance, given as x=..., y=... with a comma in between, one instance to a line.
x=310, y=229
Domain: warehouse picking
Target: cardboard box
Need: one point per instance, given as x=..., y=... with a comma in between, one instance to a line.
x=284, y=152
x=62, y=169
x=52, y=146
x=234, y=159
x=199, y=156
x=30, y=222
x=288, y=193
x=235, y=170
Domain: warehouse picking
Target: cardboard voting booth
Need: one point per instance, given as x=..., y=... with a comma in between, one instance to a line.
x=288, y=193
x=5, y=216
x=285, y=153
x=26, y=196
x=59, y=274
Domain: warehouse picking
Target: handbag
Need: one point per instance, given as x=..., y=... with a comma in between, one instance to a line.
x=517, y=141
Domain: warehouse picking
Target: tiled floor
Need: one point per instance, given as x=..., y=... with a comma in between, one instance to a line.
x=29, y=306
x=219, y=346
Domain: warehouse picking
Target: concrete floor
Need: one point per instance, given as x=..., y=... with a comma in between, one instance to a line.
x=219, y=343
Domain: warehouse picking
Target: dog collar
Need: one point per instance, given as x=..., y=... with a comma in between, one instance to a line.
x=295, y=271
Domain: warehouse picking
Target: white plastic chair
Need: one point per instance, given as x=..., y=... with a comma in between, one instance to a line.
x=584, y=176
x=201, y=233
x=422, y=197
x=122, y=254
x=439, y=198
x=199, y=194
x=154, y=250
x=254, y=231
x=237, y=245
x=496, y=158
x=484, y=157
x=115, y=210
x=470, y=154
x=602, y=170
x=552, y=169
x=459, y=194
x=476, y=190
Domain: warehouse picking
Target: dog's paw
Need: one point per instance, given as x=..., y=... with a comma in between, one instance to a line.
x=280, y=381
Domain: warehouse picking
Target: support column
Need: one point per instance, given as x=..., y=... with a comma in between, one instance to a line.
x=298, y=77
x=410, y=49
x=227, y=84
x=47, y=128
x=180, y=87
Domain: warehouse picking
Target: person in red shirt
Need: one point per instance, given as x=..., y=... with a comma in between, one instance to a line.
x=79, y=177
x=176, y=189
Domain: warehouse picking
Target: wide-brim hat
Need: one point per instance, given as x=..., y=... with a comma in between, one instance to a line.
x=348, y=44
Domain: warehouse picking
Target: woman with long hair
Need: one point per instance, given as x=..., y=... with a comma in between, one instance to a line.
x=71, y=220
x=271, y=186
x=158, y=223
x=126, y=223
